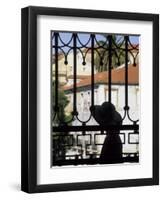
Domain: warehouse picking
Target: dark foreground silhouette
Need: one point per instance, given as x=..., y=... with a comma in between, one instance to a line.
x=106, y=114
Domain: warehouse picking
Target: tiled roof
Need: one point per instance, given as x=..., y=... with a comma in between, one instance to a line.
x=118, y=77
x=78, y=76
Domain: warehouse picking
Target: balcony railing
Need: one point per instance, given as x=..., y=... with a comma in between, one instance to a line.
x=78, y=144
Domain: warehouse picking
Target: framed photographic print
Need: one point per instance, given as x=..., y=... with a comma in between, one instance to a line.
x=90, y=99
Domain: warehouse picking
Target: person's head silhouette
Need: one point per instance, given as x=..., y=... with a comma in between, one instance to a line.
x=106, y=114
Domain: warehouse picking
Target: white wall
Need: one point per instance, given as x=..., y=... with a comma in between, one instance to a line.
x=10, y=100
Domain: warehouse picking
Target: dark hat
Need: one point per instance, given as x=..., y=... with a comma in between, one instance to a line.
x=106, y=114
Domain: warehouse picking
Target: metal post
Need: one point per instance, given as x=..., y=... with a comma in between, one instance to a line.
x=110, y=67
x=75, y=71
x=126, y=72
x=92, y=69
x=56, y=71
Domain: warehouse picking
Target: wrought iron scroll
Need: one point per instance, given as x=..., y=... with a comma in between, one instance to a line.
x=110, y=47
x=124, y=48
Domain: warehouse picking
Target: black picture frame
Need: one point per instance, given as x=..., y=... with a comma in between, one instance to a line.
x=29, y=98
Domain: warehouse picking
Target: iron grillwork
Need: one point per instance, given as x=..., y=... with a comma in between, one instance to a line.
x=82, y=138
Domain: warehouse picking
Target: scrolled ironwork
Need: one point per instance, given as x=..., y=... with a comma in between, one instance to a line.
x=98, y=49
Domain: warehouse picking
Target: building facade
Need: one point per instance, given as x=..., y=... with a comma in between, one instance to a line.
x=101, y=95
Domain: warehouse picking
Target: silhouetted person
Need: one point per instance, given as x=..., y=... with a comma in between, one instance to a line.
x=106, y=114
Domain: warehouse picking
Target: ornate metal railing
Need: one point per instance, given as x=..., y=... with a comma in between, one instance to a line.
x=78, y=144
